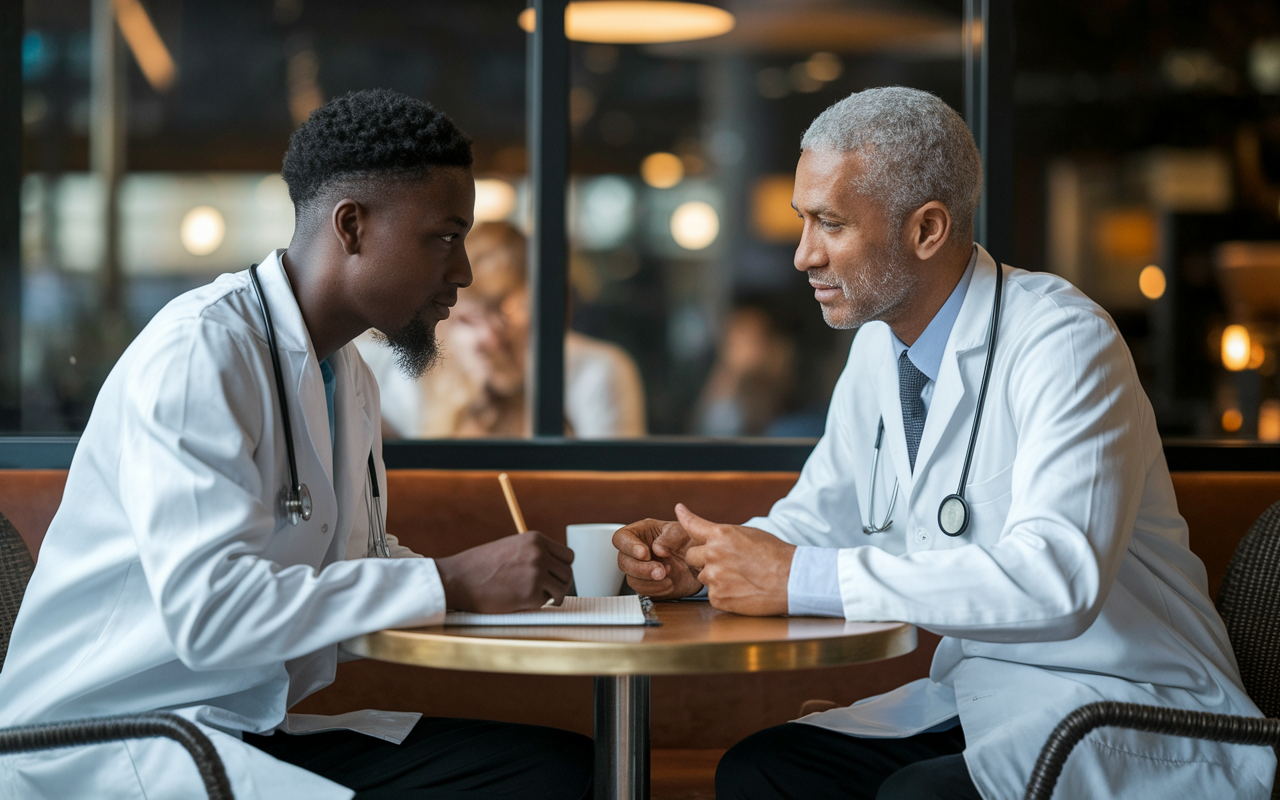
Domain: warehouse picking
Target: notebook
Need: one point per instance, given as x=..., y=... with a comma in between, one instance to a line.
x=628, y=610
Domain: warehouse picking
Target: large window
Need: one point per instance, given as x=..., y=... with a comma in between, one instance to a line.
x=1141, y=154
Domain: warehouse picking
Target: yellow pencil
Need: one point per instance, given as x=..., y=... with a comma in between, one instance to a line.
x=513, y=505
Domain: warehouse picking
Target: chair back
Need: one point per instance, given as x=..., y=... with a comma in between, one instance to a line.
x=16, y=567
x=1249, y=602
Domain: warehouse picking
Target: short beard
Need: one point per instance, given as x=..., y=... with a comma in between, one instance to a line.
x=876, y=294
x=416, y=348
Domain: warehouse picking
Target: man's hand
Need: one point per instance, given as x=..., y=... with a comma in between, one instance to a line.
x=745, y=569
x=651, y=554
x=516, y=573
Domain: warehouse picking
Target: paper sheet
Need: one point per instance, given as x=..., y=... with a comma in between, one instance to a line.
x=625, y=610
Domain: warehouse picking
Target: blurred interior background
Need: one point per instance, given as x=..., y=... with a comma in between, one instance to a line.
x=1146, y=161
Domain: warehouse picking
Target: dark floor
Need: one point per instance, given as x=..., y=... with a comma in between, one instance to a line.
x=683, y=774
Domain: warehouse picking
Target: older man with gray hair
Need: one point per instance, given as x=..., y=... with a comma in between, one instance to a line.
x=990, y=471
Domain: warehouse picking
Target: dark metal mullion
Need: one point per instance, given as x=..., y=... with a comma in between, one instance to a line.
x=988, y=92
x=548, y=135
x=10, y=189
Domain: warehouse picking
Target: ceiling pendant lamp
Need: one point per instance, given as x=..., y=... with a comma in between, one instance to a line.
x=638, y=21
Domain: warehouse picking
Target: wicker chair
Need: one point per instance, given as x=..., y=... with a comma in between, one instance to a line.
x=16, y=567
x=1249, y=602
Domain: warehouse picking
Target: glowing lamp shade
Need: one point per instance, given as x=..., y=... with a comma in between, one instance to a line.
x=1151, y=282
x=661, y=170
x=638, y=21
x=202, y=230
x=1236, y=348
x=695, y=225
x=495, y=200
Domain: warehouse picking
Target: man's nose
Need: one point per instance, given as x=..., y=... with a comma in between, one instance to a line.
x=459, y=272
x=809, y=253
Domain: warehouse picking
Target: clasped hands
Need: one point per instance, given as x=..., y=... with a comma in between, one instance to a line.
x=744, y=569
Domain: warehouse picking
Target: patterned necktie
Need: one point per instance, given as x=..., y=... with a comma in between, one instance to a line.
x=910, y=381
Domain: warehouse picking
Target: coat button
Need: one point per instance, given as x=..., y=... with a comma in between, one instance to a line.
x=922, y=535
x=324, y=528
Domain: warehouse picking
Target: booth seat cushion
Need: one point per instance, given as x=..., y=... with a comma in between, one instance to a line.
x=439, y=512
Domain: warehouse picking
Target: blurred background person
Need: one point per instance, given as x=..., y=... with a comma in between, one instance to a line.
x=479, y=387
x=751, y=390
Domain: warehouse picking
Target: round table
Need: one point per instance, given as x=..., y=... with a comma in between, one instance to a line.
x=693, y=638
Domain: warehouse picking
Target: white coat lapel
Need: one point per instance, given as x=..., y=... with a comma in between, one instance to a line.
x=302, y=369
x=970, y=332
x=351, y=451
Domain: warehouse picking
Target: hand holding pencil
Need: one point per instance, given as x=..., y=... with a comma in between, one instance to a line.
x=515, y=573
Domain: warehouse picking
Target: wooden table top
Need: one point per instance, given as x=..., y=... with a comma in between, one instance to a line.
x=693, y=638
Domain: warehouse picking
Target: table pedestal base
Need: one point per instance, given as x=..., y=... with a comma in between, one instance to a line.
x=622, y=737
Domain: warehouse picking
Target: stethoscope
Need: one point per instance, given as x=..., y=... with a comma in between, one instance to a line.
x=953, y=512
x=296, y=497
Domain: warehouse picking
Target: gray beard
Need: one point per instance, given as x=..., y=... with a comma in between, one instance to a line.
x=877, y=294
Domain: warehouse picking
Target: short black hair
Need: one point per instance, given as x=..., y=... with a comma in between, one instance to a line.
x=373, y=133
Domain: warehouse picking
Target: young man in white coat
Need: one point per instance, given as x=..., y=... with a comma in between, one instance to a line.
x=173, y=576
x=1072, y=582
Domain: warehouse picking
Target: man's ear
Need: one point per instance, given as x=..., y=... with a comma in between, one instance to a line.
x=928, y=229
x=349, y=224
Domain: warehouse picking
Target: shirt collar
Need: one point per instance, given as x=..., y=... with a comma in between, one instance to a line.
x=927, y=351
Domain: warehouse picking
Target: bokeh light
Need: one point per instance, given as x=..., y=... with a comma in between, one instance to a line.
x=202, y=230
x=1236, y=348
x=495, y=200
x=662, y=170
x=1151, y=282
x=695, y=225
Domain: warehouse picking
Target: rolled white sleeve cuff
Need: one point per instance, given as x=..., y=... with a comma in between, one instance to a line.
x=813, y=589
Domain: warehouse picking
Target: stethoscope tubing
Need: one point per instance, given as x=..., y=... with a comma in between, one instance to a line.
x=297, y=488
x=953, y=502
x=297, y=499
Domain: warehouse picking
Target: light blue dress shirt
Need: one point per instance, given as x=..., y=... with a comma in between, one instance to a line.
x=330, y=389
x=814, y=586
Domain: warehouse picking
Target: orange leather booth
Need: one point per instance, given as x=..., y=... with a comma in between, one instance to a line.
x=439, y=512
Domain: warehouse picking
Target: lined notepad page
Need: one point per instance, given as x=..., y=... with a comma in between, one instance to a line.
x=574, y=611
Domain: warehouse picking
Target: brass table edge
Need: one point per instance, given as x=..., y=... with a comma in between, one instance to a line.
x=567, y=657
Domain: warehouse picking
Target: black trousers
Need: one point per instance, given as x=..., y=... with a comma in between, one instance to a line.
x=446, y=759
x=803, y=761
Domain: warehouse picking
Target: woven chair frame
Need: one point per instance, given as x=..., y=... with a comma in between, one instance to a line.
x=1153, y=719
x=127, y=726
x=16, y=567
x=1249, y=602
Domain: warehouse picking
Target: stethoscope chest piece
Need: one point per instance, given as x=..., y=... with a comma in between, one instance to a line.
x=297, y=504
x=953, y=515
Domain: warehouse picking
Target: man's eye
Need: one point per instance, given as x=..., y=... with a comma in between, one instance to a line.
x=450, y=237
x=828, y=225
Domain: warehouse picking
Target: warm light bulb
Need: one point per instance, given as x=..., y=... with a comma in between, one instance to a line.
x=637, y=21
x=1232, y=419
x=202, y=230
x=661, y=170
x=695, y=225
x=1236, y=349
x=1151, y=282
x=495, y=200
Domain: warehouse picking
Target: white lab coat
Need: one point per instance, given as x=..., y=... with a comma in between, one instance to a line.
x=1073, y=583
x=170, y=579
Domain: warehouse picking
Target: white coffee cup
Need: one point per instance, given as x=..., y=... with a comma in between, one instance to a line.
x=595, y=560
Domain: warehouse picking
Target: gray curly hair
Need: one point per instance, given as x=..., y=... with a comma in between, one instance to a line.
x=916, y=149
